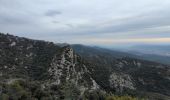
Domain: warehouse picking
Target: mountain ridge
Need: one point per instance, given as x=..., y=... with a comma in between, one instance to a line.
x=59, y=70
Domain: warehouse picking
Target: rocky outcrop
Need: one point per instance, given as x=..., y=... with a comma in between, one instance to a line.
x=120, y=82
x=67, y=67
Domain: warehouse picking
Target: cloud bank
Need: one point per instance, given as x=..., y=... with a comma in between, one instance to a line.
x=87, y=21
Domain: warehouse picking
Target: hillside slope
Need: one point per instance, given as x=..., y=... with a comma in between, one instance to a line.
x=34, y=69
x=140, y=75
x=44, y=62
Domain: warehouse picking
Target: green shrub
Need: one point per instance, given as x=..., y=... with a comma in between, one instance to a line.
x=4, y=96
x=121, y=98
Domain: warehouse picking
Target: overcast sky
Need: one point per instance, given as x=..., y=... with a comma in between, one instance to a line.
x=92, y=22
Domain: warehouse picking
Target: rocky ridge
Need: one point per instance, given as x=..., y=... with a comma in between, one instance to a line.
x=63, y=72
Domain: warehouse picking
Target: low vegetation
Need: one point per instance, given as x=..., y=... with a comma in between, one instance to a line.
x=24, y=90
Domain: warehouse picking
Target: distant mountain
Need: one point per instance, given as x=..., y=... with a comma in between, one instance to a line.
x=93, y=51
x=113, y=53
x=156, y=53
x=161, y=50
x=39, y=70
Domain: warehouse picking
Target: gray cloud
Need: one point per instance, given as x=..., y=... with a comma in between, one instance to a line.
x=117, y=19
x=52, y=13
x=11, y=20
x=55, y=22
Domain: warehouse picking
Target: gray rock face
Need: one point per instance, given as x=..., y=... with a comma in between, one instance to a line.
x=121, y=82
x=67, y=67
